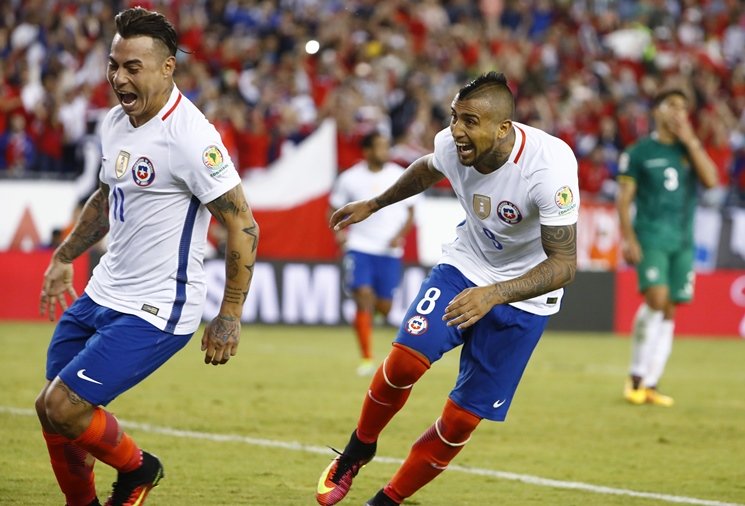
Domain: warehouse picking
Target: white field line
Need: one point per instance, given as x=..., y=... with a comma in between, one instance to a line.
x=323, y=450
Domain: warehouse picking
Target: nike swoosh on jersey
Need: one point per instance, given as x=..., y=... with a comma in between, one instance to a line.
x=499, y=403
x=82, y=376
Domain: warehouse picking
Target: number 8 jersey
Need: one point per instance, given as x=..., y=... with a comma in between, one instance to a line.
x=159, y=175
x=500, y=239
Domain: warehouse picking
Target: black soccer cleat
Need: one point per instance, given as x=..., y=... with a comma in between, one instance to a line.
x=130, y=489
x=380, y=499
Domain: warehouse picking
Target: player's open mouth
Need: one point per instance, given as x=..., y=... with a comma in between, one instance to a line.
x=127, y=99
x=464, y=149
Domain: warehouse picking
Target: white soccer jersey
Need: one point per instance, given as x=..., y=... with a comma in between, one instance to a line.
x=160, y=175
x=373, y=235
x=500, y=238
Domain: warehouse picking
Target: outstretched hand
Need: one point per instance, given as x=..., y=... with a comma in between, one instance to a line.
x=353, y=212
x=468, y=307
x=220, y=339
x=56, y=287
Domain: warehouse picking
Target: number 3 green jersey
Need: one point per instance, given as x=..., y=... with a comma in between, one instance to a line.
x=665, y=193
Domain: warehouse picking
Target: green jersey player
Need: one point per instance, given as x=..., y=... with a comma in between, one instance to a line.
x=659, y=175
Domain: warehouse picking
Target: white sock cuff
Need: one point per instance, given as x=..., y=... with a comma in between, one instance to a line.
x=376, y=401
x=439, y=434
x=385, y=377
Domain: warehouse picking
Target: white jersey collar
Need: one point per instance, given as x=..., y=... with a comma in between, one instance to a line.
x=519, y=146
x=171, y=104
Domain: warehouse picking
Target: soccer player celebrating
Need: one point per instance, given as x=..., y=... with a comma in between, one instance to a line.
x=492, y=290
x=164, y=170
x=659, y=174
x=374, y=247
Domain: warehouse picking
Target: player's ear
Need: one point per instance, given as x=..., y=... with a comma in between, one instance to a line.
x=169, y=65
x=504, y=129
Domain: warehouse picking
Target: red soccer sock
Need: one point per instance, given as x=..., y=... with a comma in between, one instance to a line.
x=105, y=440
x=433, y=451
x=389, y=390
x=363, y=327
x=73, y=468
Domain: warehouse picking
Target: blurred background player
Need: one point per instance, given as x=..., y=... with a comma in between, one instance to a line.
x=374, y=247
x=659, y=174
x=492, y=290
x=145, y=298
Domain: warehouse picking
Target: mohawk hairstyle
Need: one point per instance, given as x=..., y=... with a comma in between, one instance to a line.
x=138, y=21
x=491, y=79
x=495, y=85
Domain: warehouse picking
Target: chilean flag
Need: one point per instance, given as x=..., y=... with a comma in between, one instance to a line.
x=290, y=199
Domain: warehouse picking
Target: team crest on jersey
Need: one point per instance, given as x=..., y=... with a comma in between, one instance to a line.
x=564, y=198
x=143, y=172
x=481, y=205
x=213, y=160
x=509, y=213
x=122, y=161
x=417, y=325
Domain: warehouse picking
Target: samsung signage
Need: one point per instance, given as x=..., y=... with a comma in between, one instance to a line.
x=302, y=294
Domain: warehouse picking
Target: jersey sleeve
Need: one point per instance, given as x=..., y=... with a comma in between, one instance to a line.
x=556, y=189
x=444, y=146
x=208, y=170
x=628, y=164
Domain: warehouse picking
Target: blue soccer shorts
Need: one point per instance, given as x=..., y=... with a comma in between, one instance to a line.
x=100, y=353
x=495, y=352
x=380, y=272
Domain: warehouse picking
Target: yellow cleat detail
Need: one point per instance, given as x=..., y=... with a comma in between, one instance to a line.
x=636, y=396
x=658, y=399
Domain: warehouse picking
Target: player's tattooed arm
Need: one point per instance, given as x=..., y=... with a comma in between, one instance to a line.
x=233, y=212
x=91, y=227
x=222, y=334
x=558, y=270
x=419, y=176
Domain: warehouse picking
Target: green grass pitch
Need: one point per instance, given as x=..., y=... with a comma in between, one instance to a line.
x=254, y=432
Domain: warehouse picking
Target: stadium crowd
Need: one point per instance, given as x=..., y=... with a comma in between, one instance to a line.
x=268, y=72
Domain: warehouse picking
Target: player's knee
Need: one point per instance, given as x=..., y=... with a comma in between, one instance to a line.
x=383, y=307
x=61, y=413
x=365, y=298
x=456, y=424
x=657, y=298
x=40, y=405
x=403, y=367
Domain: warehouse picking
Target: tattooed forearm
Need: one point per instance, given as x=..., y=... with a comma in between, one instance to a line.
x=232, y=267
x=230, y=203
x=91, y=227
x=253, y=233
x=232, y=210
x=558, y=270
x=234, y=295
x=418, y=177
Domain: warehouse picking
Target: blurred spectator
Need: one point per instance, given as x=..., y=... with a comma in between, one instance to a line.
x=595, y=176
x=582, y=70
x=16, y=146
